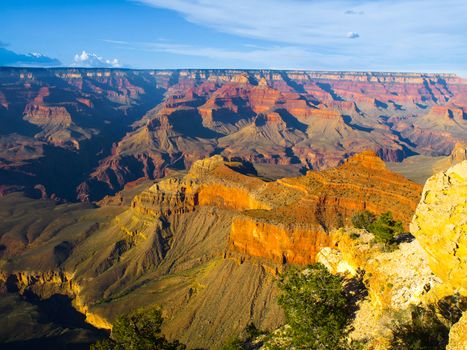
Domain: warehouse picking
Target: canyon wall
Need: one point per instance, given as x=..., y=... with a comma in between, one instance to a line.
x=102, y=128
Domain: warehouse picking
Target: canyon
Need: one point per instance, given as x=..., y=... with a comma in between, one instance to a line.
x=195, y=189
x=101, y=129
x=207, y=245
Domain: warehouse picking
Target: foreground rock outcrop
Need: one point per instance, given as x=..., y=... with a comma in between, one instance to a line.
x=394, y=282
x=440, y=225
x=428, y=271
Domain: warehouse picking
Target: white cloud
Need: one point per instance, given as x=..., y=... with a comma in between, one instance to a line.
x=399, y=34
x=353, y=35
x=353, y=12
x=88, y=59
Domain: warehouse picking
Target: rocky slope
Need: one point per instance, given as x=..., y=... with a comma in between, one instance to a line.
x=101, y=129
x=205, y=245
x=430, y=270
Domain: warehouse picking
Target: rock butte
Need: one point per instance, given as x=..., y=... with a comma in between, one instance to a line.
x=285, y=220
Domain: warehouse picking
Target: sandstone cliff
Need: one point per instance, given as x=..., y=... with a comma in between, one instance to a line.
x=440, y=225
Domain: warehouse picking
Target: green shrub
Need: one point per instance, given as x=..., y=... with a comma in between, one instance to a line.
x=139, y=330
x=105, y=344
x=248, y=339
x=315, y=308
x=234, y=344
x=363, y=219
x=383, y=227
x=252, y=331
x=386, y=229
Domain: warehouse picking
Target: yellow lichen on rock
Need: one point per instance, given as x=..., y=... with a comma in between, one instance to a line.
x=458, y=335
x=440, y=225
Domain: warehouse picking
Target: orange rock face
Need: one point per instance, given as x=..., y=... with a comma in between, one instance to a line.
x=228, y=197
x=295, y=229
x=291, y=244
x=285, y=220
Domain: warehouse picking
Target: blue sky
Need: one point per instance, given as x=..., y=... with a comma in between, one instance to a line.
x=382, y=35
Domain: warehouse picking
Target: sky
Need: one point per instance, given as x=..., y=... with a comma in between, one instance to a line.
x=363, y=35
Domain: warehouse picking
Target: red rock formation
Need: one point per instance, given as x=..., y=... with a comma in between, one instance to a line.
x=45, y=115
x=292, y=244
x=314, y=119
x=445, y=113
x=286, y=220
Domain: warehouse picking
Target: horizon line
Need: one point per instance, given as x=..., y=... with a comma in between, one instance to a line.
x=451, y=74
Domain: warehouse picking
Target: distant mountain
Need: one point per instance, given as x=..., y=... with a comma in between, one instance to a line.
x=13, y=59
x=80, y=134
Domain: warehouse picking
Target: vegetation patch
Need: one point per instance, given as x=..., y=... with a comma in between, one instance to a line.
x=138, y=330
x=383, y=227
x=315, y=308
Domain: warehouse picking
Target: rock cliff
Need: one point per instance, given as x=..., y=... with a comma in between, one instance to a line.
x=440, y=225
x=423, y=272
x=105, y=128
